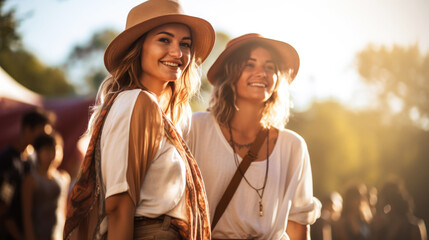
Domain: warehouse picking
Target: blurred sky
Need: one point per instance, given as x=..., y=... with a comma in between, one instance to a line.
x=326, y=33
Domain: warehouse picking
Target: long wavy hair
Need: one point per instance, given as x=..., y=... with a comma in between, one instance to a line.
x=127, y=74
x=222, y=103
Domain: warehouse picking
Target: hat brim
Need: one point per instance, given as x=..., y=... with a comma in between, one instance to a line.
x=288, y=56
x=203, y=37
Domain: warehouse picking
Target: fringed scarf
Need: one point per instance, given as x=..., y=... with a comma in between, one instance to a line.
x=86, y=203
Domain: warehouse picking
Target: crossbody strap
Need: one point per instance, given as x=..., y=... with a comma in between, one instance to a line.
x=251, y=155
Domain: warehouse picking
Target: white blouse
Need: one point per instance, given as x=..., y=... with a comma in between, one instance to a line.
x=162, y=191
x=288, y=193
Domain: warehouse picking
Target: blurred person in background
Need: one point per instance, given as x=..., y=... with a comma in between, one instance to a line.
x=330, y=213
x=356, y=215
x=373, y=199
x=394, y=219
x=14, y=165
x=44, y=191
x=138, y=179
x=250, y=103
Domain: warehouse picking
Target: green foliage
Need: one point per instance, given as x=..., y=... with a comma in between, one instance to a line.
x=26, y=69
x=23, y=66
x=88, y=58
x=8, y=35
x=401, y=75
x=98, y=42
x=95, y=78
x=359, y=146
x=369, y=145
x=341, y=146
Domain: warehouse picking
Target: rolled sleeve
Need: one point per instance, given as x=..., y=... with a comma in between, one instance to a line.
x=305, y=207
x=130, y=140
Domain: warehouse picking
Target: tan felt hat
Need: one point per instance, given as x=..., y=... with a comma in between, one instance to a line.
x=288, y=55
x=151, y=14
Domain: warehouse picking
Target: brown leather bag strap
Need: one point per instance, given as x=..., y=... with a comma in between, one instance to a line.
x=251, y=155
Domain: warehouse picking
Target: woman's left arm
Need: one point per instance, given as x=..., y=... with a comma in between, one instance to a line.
x=120, y=214
x=297, y=231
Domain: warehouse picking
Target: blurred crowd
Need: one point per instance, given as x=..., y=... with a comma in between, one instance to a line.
x=33, y=191
x=362, y=213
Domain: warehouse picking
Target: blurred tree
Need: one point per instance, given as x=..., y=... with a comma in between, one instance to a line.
x=26, y=69
x=346, y=145
x=342, y=144
x=400, y=76
x=94, y=78
x=23, y=66
x=98, y=42
x=8, y=24
x=85, y=62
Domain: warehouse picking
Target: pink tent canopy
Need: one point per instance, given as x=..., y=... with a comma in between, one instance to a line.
x=72, y=117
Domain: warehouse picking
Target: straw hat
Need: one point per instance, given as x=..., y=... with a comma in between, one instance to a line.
x=153, y=13
x=288, y=55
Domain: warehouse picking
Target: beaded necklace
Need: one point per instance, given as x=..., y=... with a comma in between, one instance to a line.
x=259, y=191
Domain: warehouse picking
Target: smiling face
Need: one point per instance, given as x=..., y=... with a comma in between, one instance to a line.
x=258, y=78
x=165, y=55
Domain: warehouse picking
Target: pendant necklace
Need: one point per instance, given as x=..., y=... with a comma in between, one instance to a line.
x=259, y=191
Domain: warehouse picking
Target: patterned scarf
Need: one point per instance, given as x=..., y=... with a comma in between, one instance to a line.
x=196, y=199
x=86, y=203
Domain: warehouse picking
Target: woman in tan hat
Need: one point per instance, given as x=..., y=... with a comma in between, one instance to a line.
x=138, y=179
x=257, y=173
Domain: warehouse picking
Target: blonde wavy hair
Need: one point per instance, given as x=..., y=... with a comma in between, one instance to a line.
x=127, y=74
x=222, y=103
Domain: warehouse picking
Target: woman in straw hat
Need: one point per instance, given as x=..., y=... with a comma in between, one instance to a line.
x=138, y=179
x=248, y=110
